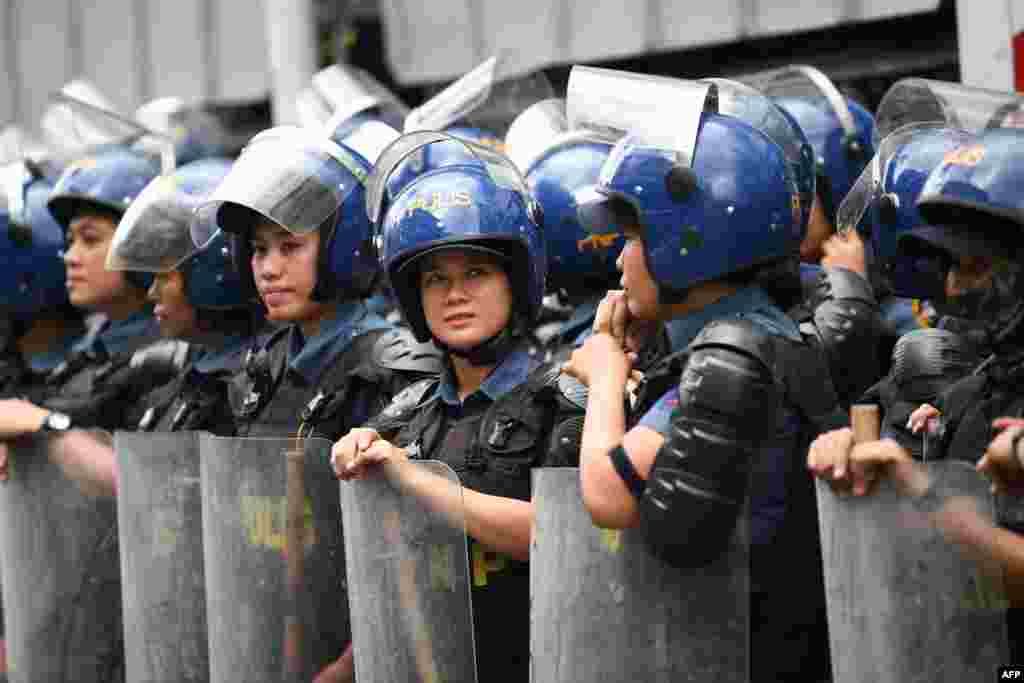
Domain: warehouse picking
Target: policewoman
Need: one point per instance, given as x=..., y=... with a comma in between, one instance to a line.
x=197, y=297
x=309, y=257
x=38, y=323
x=464, y=255
x=293, y=205
x=707, y=204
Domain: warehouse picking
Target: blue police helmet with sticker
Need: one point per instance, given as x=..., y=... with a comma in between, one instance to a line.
x=882, y=205
x=482, y=204
x=711, y=194
x=105, y=183
x=839, y=130
x=154, y=237
x=31, y=241
x=978, y=186
x=561, y=168
x=303, y=182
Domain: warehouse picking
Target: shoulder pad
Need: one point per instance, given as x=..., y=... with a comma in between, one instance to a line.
x=168, y=354
x=405, y=404
x=840, y=283
x=740, y=335
x=398, y=350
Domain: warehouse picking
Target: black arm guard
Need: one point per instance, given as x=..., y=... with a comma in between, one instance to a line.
x=398, y=350
x=698, y=484
x=844, y=318
x=117, y=387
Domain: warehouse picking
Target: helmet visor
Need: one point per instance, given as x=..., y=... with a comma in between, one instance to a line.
x=153, y=236
x=290, y=176
x=919, y=100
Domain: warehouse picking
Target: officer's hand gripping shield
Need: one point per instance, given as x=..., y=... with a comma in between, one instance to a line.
x=277, y=608
x=906, y=602
x=920, y=100
x=604, y=608
x=61, y=574
x=159, y=509
x=409, y=572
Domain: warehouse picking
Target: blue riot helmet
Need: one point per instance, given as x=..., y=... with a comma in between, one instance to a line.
x=196, y=134
x=712, y=194
x=106, y=183
x=882, y=205
x=840, y=131
x=481, y=204
x=561, y=165
x=304, y=182
x=920, y=100
x=154, y=237
x=740, y=101
x=974, y=208
x=31, y=241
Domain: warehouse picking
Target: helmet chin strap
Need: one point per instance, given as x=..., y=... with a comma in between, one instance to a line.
x=488, y=352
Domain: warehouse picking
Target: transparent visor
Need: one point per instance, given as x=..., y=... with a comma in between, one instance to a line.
x=16, y=144
x=14, y=179
x=533, y=131
x=804, y=83
x=80, y=120
x=603, y=217
x=490, y=97
x=153, y=235
x=743, y=102
x=347, y=91
x=919, y=100
x=499, y=167
x=868, y=187
x=172, y=117
x=663, y=112
x=289, y=175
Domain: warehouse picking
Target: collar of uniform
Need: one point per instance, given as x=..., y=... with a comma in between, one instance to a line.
x=48, y=360
x=227, y=357
x=118, y=336
x=582, y=318
x=750, y=302
x=310, y=357
x=512, y=371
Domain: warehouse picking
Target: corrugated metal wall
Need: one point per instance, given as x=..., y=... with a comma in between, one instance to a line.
x=442, y=39
x=132, y=50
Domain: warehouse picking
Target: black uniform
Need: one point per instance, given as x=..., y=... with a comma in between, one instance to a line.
x=525, y=415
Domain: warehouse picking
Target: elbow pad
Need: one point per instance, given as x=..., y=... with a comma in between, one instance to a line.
x=699, y=481
x=845, y=320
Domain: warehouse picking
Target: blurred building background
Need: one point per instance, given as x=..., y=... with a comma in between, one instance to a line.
x=246, y=59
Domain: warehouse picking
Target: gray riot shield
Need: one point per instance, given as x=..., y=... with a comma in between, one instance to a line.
x=904, y=602
x=408, y=568
x=604, y=608
x=61, y=587
x=159, y=510
x=277, y=608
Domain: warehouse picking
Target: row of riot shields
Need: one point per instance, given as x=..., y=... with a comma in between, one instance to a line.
x=225, y=560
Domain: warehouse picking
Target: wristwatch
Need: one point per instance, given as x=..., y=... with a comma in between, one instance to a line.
x=55, y=422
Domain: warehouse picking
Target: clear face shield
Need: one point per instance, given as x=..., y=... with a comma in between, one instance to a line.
x=80, y=119
x=534, y=130
x=501, y=171
x=655, y=121
x=289, y=175
x=153, y=235
x=807, y=84
x=919, y=100
x=337, y=93
x=489, y=97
